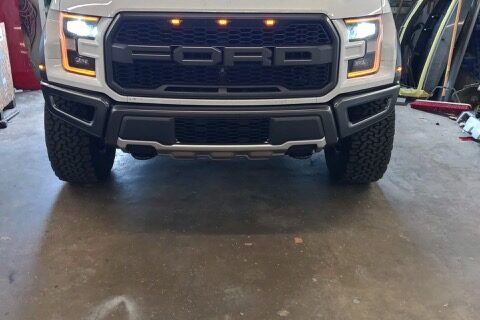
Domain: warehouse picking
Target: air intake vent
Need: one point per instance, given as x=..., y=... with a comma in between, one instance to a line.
x=222, y=131
x=78, y=110
x=367, y=110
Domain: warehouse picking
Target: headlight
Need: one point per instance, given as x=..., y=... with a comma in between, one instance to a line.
x=72, y=28
x=369, y=30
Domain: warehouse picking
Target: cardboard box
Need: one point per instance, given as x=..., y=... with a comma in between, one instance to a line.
x=7, y=93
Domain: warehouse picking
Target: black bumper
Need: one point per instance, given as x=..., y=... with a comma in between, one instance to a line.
x=109, y=120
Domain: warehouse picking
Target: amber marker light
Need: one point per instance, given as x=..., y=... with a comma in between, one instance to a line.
x=223, y=22
x=175, y=22
x=270, y=22
x=64, y=47
x=41, y=67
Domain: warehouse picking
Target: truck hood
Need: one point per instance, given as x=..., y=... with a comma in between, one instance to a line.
x=335, y=9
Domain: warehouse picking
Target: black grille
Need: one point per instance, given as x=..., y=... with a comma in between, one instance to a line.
x=133, y=69
x=157, y=32
x=222, y=130
x=153, y=74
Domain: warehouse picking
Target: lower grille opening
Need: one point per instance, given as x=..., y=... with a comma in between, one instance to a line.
x=78, y=110
x=219, y=131
x=367, y=110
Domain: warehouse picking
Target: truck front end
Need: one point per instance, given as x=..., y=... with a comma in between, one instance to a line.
x=220, y=79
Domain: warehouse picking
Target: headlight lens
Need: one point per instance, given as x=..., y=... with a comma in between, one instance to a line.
x=369, y=30
x=72, y=28
x=81, y=28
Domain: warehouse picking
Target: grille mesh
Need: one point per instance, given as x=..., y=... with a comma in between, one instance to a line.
x=78, y=110
x=363, y=111
x=155, y=32
x=222, y=131
x=153, y=74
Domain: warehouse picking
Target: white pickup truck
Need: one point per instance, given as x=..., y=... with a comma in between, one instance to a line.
x=218, y=78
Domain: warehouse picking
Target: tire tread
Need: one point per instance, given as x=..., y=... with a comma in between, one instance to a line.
x=363, y=157
x=74, y=155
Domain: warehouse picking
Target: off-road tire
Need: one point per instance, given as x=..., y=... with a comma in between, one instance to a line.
x=76, y=156
x=363, y=157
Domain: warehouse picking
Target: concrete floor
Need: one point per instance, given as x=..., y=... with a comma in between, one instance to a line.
x=167, y=239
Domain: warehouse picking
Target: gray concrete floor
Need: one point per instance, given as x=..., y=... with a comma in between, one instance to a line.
x=168, y=239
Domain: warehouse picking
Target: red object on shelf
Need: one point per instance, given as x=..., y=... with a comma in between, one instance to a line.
x=22, y=71
x=441, y=107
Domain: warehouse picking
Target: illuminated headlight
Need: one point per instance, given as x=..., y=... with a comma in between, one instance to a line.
x=72, y=28
x=369, y=30
x=82, y=28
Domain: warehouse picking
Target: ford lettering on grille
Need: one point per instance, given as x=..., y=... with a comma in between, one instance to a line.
x=229, y=56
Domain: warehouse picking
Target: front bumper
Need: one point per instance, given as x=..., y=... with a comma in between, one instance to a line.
x=130, y=126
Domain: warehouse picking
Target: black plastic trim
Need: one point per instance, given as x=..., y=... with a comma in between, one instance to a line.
x=333, y=116
x=98, y=102
x=286, y=129
x=322, y=112
x=164, y=129
x=160, y=129
x=342, y=104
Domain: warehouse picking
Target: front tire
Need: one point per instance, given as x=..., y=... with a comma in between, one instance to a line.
x=363, y=157
x=76, y=156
